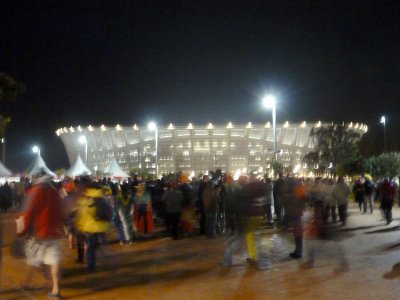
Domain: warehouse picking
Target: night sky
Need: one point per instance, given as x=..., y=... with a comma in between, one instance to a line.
x=176, y=62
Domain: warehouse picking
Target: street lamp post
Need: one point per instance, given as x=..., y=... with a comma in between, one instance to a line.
x=83, y=140
x=3, y=142
x=269, y=102
x=153, y=127
x=383, y=121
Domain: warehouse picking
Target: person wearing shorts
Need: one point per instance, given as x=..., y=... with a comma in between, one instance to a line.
x=43, y=224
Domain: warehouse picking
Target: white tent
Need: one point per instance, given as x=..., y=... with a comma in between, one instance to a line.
x=115, y=170
x=78, y=168
x=38, y=166
x=4, y=172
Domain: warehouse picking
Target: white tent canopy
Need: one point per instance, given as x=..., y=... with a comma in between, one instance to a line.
x=38, y=166
x=78, y=168
x=115, y=170
x=4, y=172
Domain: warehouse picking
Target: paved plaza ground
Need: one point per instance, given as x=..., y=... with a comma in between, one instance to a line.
x=160, y=268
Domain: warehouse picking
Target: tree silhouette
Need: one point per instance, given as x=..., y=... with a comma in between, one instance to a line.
x=335, y=149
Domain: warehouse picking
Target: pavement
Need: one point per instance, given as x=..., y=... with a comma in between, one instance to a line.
x=157, y=267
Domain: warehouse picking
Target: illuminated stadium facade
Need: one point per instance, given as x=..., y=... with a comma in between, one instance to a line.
x=193, y=149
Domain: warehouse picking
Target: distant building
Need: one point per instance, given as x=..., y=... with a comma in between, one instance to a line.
x=193, y=149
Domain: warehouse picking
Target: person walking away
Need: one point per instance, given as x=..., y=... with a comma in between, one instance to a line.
x=369, y=190
x=200, y=204
x=318, y=235
x=210, y=202
x=269, y=197
x=253, y=204
x=230, y=192
x=358, y=190
x=279, y=192
x=341, y=193
x=43, y=224
x=173, y=207
x=123, y=215
x=297, y=194
x=188, y=215
x=80, y=187
x=329, y=201
x=93, y=219
x=143, y=216
x=387, y=194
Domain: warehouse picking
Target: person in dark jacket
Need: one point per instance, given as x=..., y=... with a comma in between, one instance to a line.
x=387, y=192
x=358, y=190
x=172, y=200
x=369, y=190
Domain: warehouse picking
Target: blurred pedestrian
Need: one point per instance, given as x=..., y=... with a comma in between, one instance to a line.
x=329, y=201
x=93, y=219
x=279, y=193
x=341, y=193
x=143, y=217
x=369, y=190
x=297, y=196
x=253, y=202
x=251, y=209
x=210, y=199
x=43, y=223
x=387, y=193
x=173, y=207
x=200, y=204
x=123, y=215
x=269, y=200
x=358, y=190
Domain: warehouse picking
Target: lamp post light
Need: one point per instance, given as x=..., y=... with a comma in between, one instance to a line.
x=383, y=121
x=83, y=140
x=36, y=149
x=153, y=127
x=269, y=102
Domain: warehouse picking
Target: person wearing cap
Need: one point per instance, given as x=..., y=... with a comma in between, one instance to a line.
x=43, y=224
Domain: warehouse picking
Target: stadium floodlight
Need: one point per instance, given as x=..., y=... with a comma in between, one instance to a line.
x=269, y=102
x=36, y=149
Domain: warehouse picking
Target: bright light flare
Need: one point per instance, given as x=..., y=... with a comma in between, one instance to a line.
x=82, y=139
x=152, y=126
x=269, y=101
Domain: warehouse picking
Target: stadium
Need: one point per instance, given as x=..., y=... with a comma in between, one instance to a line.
x=193, y=149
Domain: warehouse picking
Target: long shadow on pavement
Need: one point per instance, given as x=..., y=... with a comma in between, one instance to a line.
x=103, y=281
x=359, y=228
x=117, y=261
x=394, y=273
x=394, y=228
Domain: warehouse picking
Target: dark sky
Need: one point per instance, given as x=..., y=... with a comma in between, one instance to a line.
x=128, y=62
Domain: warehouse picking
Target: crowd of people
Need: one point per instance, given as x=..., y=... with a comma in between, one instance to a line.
x=86, y=209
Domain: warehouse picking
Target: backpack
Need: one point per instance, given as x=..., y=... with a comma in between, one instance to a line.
x=103, y=210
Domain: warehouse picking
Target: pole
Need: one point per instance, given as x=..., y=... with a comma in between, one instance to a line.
x=383, y=121
x=86, y=151
x=384, y=137
x=274, y=131
x=3, y=141
x=156, y=131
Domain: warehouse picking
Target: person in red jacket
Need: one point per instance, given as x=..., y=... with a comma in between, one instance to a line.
x=43, y=224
